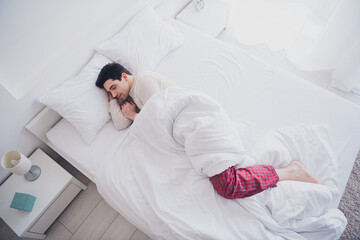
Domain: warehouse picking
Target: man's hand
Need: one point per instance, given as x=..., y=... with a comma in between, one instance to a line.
x=128, y=110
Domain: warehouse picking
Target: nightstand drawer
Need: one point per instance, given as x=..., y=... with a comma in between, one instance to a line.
x=56, y=208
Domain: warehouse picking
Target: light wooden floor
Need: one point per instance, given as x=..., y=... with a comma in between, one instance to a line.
x=88, y=217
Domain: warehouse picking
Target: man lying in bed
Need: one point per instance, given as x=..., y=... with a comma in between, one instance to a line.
x=133, y=91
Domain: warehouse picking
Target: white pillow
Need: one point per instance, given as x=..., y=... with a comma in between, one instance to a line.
x=144, y=41
x=79, y=101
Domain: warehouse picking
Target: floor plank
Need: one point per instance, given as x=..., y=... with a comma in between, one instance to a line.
x=15, y=237
x=5, y=231
x=96, y=224
x=57, y=231
x=120, y=229
x=80, y=208
x=139, y=235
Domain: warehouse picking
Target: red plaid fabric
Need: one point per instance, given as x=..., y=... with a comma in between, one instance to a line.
x=244, y=182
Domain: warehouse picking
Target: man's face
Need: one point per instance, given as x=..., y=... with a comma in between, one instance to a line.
x=118, y=89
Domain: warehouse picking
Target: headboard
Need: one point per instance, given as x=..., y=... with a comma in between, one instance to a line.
x=42, y=123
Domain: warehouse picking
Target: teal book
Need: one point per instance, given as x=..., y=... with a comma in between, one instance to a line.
x=23, y=201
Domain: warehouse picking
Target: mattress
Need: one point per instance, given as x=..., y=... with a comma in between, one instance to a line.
x=248, y=89
x=85, y=157
x=259, y=99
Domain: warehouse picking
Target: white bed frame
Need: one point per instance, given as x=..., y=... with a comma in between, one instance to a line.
x=41, y=124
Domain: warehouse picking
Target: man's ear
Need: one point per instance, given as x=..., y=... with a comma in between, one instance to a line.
x=125, y=76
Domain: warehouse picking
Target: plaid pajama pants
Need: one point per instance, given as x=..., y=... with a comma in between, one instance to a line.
x=244, y=182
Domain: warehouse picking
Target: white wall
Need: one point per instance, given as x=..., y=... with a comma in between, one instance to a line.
x=15, y=114
x=44, y=42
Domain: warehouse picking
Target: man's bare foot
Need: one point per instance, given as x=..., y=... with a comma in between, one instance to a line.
x=295, y=171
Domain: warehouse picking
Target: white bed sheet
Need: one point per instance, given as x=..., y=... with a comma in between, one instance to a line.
x=85, y=157
x=250, y=91
x=184, y=136
x=267, y=97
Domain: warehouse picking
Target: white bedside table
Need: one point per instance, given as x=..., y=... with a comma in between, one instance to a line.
x=211, y=20
x=54, y=190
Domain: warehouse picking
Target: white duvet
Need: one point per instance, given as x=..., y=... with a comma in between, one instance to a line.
x=158, y=177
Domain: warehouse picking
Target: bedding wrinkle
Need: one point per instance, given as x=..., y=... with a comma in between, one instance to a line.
x=186, y=137
x=162, y=191
x=222, y=78
x=312, y=201
x=161, y=182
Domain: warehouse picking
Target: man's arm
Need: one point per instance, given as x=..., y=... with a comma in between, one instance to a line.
x=128, y=110
x=149, y=84
x=119, y=120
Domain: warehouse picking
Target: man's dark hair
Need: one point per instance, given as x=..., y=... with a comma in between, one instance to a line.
x=110, y=71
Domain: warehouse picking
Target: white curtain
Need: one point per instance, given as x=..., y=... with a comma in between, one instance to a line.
x=316, y=34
